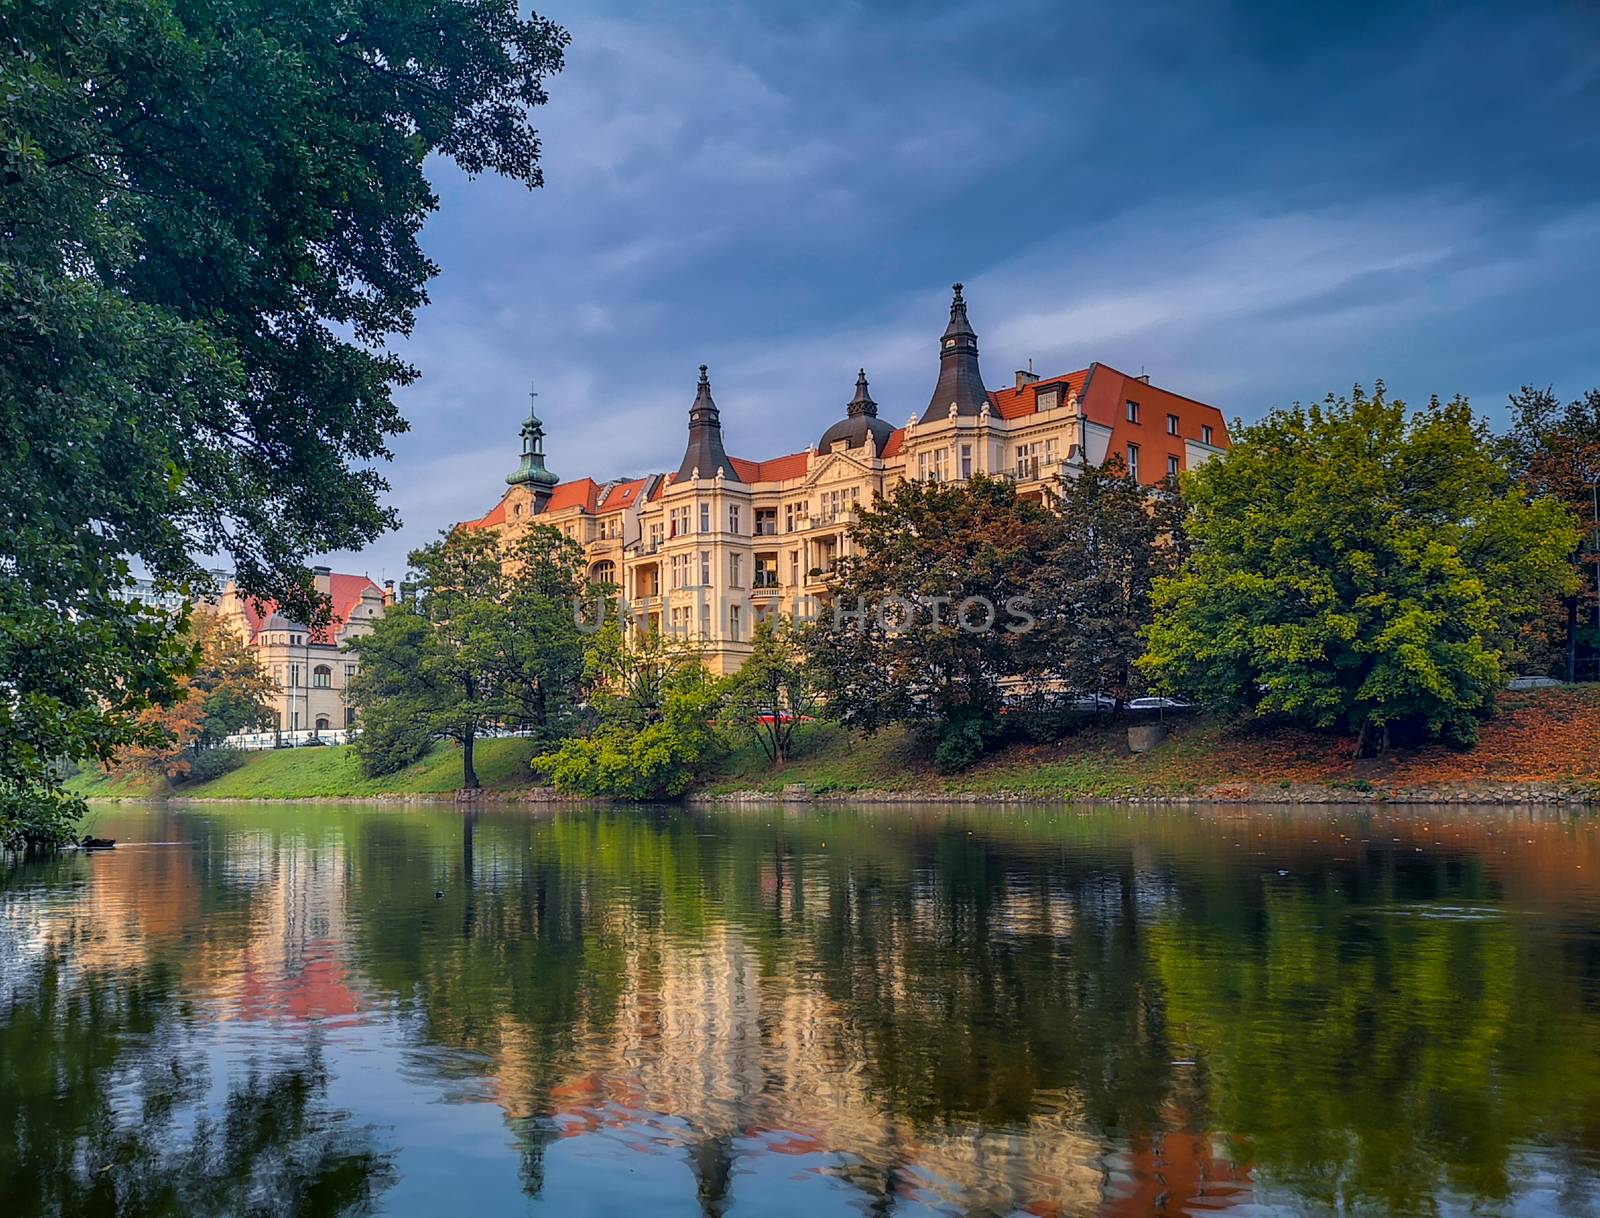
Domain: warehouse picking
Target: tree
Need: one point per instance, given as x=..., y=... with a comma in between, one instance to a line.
x=1555, y=450
x=929, y=612
x=210, y=234
x=772, y=692
x=489, y=639
x=1358, y=565
x=225, y=691
x=655, y=707
x=1091, y=587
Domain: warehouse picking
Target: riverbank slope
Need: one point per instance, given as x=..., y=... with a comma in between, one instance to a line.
x=1544, y=744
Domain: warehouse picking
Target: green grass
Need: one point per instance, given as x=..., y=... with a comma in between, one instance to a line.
x=329, y=773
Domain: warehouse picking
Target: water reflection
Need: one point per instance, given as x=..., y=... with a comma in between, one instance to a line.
x=320, y=1010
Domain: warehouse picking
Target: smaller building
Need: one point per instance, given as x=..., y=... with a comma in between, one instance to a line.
x=311, y=669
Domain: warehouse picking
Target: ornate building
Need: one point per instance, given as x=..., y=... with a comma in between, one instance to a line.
x=311, y=670
x=723, y=542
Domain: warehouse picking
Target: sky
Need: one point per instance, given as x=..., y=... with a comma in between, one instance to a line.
x=1255, y=203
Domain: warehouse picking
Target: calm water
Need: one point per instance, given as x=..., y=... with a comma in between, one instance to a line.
x=270, y=1011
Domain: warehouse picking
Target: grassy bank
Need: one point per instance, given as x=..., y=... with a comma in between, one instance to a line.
x=327, y=773
x=1548, y=737
x=1545, y=737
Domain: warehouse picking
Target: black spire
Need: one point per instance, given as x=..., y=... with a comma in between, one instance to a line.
x=959, y=379
x=861, y=421
x=862, y=403
x=532, y=471
x=705, y=452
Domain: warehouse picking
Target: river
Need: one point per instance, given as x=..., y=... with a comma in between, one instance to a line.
x=317, y=1010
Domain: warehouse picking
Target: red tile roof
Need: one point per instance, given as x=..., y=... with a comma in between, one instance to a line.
x=891, y=446
x=345, y=591
x=622, y=494
x=1016, y=403
x=774, y=469
x=584, y=493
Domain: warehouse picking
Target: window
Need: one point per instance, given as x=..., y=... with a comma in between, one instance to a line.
x=705, y=568
x=733, y=623
x=766, y=571
x=1047, y=399
x=766, y=522
x=794, y=566
x=322, y=723
x=603, y=572
x=934, y=466
x=735, y=570
x=655, y=537
x=679, y=566
x=322, y=677
x=1205, y=434
x=966, y=461
x=349, y=673
x=349, y=716
x=794, y=516
x=1033, y=458
x=1172, y=424
x=705, y=518
x=294, y=676
x=680, y=522
x=733, y=518
x=294, y=721
x=1133, y=460
x=1133, y=412
x=1172, y=467
x=705, y=620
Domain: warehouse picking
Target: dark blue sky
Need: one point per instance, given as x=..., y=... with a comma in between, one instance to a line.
x=1255, y=202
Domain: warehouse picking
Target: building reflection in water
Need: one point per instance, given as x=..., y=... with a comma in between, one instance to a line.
x=1045, y=1013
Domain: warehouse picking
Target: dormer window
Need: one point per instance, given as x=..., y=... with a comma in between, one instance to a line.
x=1048, y=399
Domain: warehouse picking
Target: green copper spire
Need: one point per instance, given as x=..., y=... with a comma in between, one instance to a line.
x=532, y=468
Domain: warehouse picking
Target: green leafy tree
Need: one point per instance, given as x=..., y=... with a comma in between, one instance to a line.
x=1360, y=566
x=929, y=613
x=1555, y=450
x=210, y=228
x=656, y=708
x=772, y=693
x=1091, y=587
x=489, y=639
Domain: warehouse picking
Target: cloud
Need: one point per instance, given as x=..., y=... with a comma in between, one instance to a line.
x=1254, y=204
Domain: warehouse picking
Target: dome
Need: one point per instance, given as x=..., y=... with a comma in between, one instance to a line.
x=856, y=430
x=861, y=421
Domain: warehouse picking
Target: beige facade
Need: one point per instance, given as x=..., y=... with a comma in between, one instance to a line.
x=311, y=669
x=708, y=551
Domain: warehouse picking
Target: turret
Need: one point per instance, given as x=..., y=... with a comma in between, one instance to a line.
x=705, y=455
x=532, y=472
x=960, y=381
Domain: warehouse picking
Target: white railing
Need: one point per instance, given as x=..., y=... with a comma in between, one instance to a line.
x=250, y=741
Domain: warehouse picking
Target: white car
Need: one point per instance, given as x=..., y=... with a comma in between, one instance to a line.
x=1533, y=683
x=1141, y=704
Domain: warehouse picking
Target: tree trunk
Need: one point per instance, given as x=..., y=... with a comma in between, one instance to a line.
x=469, y=776
x=1572, y=639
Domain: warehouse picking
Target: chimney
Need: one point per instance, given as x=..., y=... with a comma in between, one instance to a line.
x=1143, y=378
x=388, y=592
x=323, y=578
x=1026, y=377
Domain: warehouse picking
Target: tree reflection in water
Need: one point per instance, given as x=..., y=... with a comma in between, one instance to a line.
x=1103, y=1013
x=106, y=1113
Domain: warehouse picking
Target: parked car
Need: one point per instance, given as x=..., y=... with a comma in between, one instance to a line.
x=1533, y=683
x=1157, y=703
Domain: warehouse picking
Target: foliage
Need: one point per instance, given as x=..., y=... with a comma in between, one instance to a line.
x=489, y=640
x=656, y=708
x=928, y=616
x=772, y=693
x=224, y=691
x=1360, y=566
x=211, y=222
x=1555, y=450
x=213, y=763
x=1091, y=587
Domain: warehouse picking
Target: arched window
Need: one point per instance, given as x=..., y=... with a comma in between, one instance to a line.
x=321, y=677
x=603, y=572
x=322, y=723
